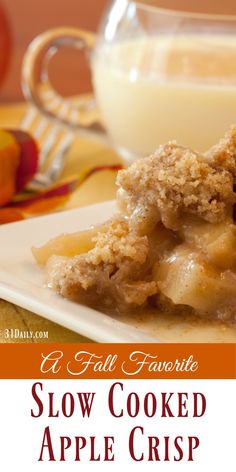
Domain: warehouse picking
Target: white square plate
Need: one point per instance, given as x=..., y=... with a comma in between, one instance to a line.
x=22, y=282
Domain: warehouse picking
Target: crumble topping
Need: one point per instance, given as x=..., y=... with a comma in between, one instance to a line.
x=223, y=154
x=116, y=267
x=173, y=241
x=176, y=180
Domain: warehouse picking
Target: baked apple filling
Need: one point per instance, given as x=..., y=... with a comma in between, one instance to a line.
x=172, y=241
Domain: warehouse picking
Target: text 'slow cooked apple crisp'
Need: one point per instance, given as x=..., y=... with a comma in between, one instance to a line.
x=171, y=244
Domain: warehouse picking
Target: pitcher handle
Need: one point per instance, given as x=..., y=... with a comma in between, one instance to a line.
x=38, y=89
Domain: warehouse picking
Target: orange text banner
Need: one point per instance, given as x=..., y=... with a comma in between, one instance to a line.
x=113, y=361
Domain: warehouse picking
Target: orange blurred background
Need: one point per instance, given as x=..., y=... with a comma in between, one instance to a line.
x=27, y=18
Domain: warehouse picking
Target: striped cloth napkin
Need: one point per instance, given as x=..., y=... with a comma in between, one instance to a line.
x=18, y=164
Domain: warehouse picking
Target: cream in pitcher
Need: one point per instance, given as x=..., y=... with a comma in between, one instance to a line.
x=158, y=75
x=155, y=89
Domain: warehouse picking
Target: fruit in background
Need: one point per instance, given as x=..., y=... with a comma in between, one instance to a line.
x=18, y=162
x=28, y=163
x=5, y=44
x=9, y=162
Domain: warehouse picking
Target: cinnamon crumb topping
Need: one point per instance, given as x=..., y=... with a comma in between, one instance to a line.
x=176, y=180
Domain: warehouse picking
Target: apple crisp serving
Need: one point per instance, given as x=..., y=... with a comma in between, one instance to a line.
x=172, y=243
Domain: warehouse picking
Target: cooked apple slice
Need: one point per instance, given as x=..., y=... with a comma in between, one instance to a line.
x=217, y=242
x=222, y=251
x=187, y=279
x=67, y=245
x=199, y=233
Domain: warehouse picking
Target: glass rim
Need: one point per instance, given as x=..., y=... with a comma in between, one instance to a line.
x=184, y=13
